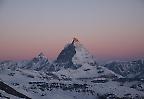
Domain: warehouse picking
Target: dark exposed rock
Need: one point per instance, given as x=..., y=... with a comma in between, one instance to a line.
x=135, y=68
x=12, y=91
x=65, y=87
x=65, y=57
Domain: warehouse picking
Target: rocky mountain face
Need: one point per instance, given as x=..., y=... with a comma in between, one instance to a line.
x=73, y=56
x=130, y=69
x=65, y=57
x=75, y=74
x=39, y=63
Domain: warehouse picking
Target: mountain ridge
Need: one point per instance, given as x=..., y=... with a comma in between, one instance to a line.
x=129, y=69
x=75, y=74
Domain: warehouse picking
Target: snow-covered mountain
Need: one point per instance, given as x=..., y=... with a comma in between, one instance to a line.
x=75, y=74
x=130, y=69
x=38, y=63
x=75, y=61
x=73, y=56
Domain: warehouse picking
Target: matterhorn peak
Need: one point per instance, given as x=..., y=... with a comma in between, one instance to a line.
x=74, y=55
x=76, y=43
x=75, y=40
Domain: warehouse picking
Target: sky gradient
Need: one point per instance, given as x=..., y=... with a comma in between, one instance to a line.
x=110, y=29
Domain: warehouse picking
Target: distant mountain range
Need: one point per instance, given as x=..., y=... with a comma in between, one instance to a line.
x=75, y=74
x=130, y=69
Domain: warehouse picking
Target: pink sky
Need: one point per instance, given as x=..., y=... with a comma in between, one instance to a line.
x=110, y=30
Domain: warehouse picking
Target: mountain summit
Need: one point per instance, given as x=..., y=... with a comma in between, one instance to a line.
x=38, y=63
x=75, y=40
x=73, y=56
x=41, y=55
